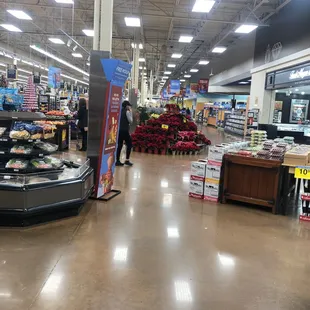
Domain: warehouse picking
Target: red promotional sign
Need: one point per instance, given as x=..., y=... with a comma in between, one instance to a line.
x=203, y=86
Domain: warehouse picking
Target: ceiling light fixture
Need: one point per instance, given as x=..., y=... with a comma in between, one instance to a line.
x=77, y=55
x=246, y=28
x=302, y=92
x=165, y=77
x=132, y=22
x=2, y=65
x=182, y=80
x=187, y=76
x=186, y=39
x=219, y=49
x=171, y=66
x=141, y=59
x=56, y=41
x=243, y=82
x=65, y=1
x=194, y=70
x=58, y=59
x=19, y=14
x=10, y=27
x=89, y=32
x=203, y=62
x=203, y=6
x=167, y=72
x=27, y=62
x=175, y=55
x=8, y=56
x=23, y=70
x=134, y=45
x=88, y=64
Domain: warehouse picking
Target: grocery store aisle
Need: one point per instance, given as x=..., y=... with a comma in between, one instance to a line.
x=154, y=248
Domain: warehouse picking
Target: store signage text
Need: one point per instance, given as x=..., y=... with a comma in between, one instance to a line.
x=299, y=74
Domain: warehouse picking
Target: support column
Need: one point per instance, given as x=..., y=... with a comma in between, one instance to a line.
x=136, y=66
x=106, y=26
x=151, y=85
x=97, y=6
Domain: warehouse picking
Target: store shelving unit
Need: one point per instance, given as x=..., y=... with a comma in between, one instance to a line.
x=30, y=195
x=235, y=124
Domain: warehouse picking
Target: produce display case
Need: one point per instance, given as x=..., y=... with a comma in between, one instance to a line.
x=35, y=187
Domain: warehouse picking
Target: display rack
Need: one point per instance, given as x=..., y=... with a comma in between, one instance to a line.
x=235, y=124
x=32, y=194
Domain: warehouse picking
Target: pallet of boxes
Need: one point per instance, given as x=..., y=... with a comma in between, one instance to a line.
x=206, y=173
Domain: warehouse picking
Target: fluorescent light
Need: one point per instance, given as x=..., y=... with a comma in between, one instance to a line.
x=296, y=89
x=187, y=75
x=23, y=76
x=194, y=70
x=10, y=27
x=141, y=59
x=165, y=78
x=140, y=46
x=56, y=41
x=140, y=68
x=2, y=65
x=243, y=82
x=186, y=39
x=19, y=14
x=77, y=55
x=302, y=92
x=171, y=66
x=8, y=56
x=132, y=22
x=182, y=80
x=134, y=45
x=88, y=64
x=74, y=79
x=219, y=49
x=89, y=32
x=246, y=28
x=203, y=62
x=175, y=55
x=65, y=1
x=167, y=72
x=58, y=59
x=203, y=6
x=27, y=62
x=23, y=70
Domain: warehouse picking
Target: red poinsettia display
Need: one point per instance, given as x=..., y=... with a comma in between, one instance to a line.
x=170, y=131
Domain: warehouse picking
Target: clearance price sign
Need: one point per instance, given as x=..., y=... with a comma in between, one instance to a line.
x=302, y=172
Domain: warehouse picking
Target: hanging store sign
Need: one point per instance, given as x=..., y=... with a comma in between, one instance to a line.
x=174, y=87
x=54, y=77
x=11, y=72
x=298, y=75
x=203, y=86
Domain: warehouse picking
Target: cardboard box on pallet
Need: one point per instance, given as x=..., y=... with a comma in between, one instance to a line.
x=211, y=191
x=198, y=170
x=196, y=188
x=213, y=170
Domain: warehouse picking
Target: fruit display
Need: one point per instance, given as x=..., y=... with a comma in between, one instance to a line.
x=56, y=113
x=21, y=149
x=15, y=163
x=20, y=135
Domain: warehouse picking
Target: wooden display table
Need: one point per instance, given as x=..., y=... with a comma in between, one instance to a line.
x=253, y=180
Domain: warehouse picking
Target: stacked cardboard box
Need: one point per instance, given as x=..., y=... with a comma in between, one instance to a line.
x=212, y=181
x=198, y=175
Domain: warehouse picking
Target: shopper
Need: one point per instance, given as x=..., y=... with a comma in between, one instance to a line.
x=124, y=135
x=83, y=122
x=188, y=112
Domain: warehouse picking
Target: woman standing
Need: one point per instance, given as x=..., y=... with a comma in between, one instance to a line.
x=83, y=122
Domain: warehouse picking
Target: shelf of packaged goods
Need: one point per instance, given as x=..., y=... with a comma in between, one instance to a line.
x=241, y=127
x=238, y=119
x=241, y=124
x=233, y=131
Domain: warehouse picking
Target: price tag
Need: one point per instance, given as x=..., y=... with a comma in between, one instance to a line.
x=302, y=172
x=163, y=126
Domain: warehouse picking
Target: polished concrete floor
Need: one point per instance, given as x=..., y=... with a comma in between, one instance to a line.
x=153, y=248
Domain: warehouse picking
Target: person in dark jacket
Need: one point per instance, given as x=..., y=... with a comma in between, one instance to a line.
x=124, y=135
x=83, y=122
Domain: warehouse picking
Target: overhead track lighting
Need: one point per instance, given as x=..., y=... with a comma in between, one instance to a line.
x=246, y=28
x=132, y=22
x=19, y=14
x=65, y=1
x=10, y=27
x=186, y=39
x=176, y=55
x=56, y=41
x=203, y=6
x=219, y=49
x=89, y=32
x=203, y=62
x=40, y=50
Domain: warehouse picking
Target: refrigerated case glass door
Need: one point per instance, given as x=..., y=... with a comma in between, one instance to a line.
x=299, y=110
